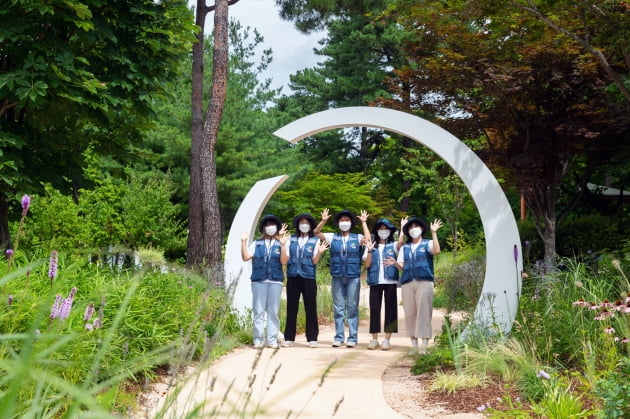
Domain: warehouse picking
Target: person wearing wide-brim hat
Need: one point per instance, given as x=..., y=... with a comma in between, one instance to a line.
x=268, y=254
x=345, y=269
x=305, y=250
x=416, y=261
x=382, y=277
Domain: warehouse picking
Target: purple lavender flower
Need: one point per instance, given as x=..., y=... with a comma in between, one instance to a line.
x=515, y=253
x=543, y=374
x=26, y=203
x=89, y=311
x=97, y=323
x=89, y=327
x=52, y=266
x=54, y=312
x=10, y=300
x=9, y=253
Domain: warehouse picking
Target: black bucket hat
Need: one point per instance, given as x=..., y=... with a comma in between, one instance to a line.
x=270, y=218
x=415, y=220
x=304, y=216
x=384, y=222
x=346, y=213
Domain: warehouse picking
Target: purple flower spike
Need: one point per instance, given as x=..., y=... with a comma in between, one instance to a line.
x=54, y=312
x=10, y=300
x=66, y=306
x=52, y=267
x=97, y=323
x=515, y=253
x=26, y=203
x=543, y=374
x=89, y=327
x=9, y=252
x=89, y=311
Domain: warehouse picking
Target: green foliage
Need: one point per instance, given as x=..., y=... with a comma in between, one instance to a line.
x=133, y=214
x=439, y=358
x=77, y=76
x=559, y=402
x=460, y=278
x=614, y=392
x=336, y=192
x=147, y=319
x=603, y=234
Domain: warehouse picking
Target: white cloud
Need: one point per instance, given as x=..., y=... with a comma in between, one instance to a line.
x=292, y=50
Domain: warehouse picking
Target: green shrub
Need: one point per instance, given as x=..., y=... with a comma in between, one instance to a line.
x=614, y=392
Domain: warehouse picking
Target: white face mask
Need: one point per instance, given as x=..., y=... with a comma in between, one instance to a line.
x=305, y=228
x=415, y=232
x=383, y=234
x=345, y=225
x=271, y=230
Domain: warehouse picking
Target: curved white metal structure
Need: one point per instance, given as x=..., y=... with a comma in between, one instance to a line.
x=498, y=302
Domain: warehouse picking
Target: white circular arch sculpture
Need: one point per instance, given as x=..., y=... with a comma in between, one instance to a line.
x=498, y=302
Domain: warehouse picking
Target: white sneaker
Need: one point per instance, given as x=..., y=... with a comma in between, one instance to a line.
x=423, y=350
x=413, y=351
x=312, y=344
x=258, y=345
x=337, y=344
x=273, y=345
x=288, y=343
x=351, y=344
x=385, y=345
x=373, y=344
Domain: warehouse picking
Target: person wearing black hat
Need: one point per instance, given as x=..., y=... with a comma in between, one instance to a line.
x=416, y=261
x=268, y=254
x=345, y=269
x=382, y=277
x=305, y=249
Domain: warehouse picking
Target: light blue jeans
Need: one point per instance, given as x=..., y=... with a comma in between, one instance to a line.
x=345, y=294
x=266, y=300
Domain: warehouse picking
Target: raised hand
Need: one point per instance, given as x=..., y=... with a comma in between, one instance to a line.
x=244, y=235
x=323, y=246
x=364, y=216
x=325, y=214
x=436, y=225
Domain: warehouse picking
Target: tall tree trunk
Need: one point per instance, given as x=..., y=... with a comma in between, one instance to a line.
x=194, y=255
x=5, y=234
x=205, y=233
x=541, y=200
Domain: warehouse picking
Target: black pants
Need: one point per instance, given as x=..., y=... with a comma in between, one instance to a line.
x=378, y=293
x=308, y=289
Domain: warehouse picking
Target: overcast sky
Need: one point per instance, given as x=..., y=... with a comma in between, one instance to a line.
x=292, y=51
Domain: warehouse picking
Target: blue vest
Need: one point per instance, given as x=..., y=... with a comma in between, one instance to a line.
x=419, y=264
x=301, y=261
x=267, y=266
x=390, y=272
x=345, y=263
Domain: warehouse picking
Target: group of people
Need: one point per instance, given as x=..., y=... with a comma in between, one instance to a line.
x=385, y=259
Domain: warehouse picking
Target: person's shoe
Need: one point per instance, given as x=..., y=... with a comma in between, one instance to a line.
x=423, y=350
x=413, y=351
x=312, y=344
x=337, y=344
x=273, y=345
x=385, y=345
x=373, y=344
x=258, y=345
x=351, y=344
x=288, y=343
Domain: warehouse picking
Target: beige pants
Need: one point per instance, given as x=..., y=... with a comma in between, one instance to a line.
x=417, y=297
